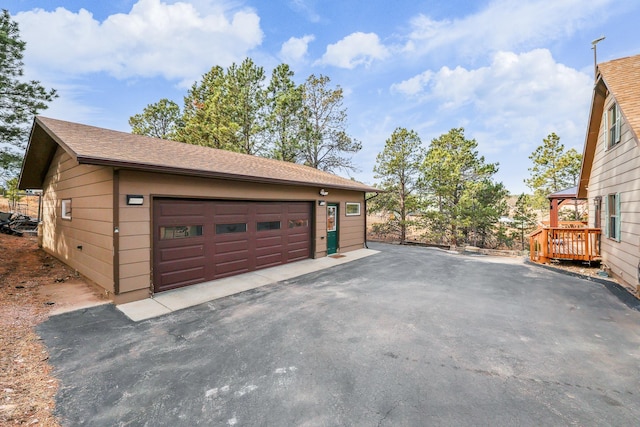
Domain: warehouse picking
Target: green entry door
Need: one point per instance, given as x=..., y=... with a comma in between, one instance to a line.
x=332, y=229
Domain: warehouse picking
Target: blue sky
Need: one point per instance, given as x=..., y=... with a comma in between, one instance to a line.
x=509, y=71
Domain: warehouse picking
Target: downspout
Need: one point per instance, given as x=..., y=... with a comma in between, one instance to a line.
x=116, y=231
x=365, y=217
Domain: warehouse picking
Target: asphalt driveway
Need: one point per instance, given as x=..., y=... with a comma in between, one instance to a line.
x=407, y=337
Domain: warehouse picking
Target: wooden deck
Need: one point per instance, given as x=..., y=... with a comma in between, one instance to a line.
x=572, y=241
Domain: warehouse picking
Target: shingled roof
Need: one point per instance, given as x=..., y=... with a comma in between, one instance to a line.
x=97, y=146
x=621, y=79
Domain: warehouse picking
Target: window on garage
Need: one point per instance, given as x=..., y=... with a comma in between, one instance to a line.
x=294, y=223
x=180, y=231
x=268, y=225
x=238, y=227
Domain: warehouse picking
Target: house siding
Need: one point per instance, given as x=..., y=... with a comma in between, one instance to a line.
x=85, y=242
x=136, y=228
x=617, y=170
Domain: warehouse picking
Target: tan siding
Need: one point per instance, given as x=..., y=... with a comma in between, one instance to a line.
x=91, y=225
x=617, y=170
x=134, y=270
x=135, y=221
x=135, y=283
x=135, y=255
x=134, y=242
x=352, y=230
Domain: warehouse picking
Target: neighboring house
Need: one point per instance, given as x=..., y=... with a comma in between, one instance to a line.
x=610, y=175
x=139, y=215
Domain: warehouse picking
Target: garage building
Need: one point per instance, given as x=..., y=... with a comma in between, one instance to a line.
x=140, y=215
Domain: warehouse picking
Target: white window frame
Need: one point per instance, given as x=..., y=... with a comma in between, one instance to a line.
x=612, y=123
x=351, y=204
x=65, y=209
x=613, y=217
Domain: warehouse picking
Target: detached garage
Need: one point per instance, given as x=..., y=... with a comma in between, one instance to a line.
x=140, y=215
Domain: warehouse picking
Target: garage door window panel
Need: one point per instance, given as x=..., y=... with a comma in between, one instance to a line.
x=268, y=225
x=180, y=232
x=296, y=223
x=239, y=227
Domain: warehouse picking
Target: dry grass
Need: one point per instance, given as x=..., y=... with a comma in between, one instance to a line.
x=26, y=382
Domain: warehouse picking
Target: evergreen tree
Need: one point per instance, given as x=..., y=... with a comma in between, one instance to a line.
x=325, y=142
x=398, y=168
x=524, y=216
x=206, y=119
x=245, y=102
x=553, y=169
x=282, y=119
x=159, y=120
x=452, y=172
x=20, y=100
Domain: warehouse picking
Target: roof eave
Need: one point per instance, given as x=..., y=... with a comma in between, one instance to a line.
x=40, y=150
x=591, y=139
x=212, y=174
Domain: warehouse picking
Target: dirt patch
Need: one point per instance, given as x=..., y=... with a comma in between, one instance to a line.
x=32, y=287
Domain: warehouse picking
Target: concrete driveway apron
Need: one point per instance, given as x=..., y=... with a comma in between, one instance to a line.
x=407, y=337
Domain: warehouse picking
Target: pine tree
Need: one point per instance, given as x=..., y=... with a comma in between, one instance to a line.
x=159, y=120
x=398, y=168
x=20, y=100
x=325, y=142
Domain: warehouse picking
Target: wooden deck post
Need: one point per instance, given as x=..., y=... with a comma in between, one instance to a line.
x=553, y=213
x=545, y=246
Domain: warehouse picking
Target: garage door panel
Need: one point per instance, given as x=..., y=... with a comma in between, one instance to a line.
x=231, y=246
x=269, y=261
x=179, y=207
x=298, y=237
x=183, y=277
x=225, y=269
x=297, y=255
x=268, y=208
x=234, y=237
x=182, y=252
x=222, y=209
x=269, y=242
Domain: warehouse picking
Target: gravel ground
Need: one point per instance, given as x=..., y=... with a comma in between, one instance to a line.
x=27, y=385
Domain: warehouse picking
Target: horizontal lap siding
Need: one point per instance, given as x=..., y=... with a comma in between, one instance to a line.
x=617, y=170
x=90, y=189
x=351, y=233
x=135, y=221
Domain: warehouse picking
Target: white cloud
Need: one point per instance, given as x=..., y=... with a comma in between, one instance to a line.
x=295, y=49
x=175, y=41
x=306, y=8
x=413, y=85
x=515, y=101
x=354, y=50
x=505, y=25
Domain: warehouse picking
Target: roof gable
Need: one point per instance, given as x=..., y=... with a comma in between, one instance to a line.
x=97, y=146
x=621, y=79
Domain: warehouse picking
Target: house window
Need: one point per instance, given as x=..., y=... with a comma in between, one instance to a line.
x=612, y=226
x=66, y=209
x=597, y=212
x=352, y=209
x=612, y=126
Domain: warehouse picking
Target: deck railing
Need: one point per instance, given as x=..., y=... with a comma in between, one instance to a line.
x=580, y=244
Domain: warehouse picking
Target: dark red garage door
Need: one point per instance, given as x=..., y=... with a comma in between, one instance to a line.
x=197, y=240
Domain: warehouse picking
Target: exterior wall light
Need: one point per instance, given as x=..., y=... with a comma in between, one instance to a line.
x=324, y=192
x=135, y=200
